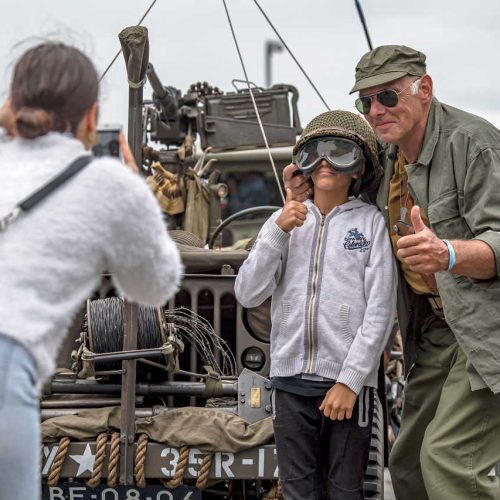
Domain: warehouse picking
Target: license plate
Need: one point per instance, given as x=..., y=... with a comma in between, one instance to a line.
x=77, y=491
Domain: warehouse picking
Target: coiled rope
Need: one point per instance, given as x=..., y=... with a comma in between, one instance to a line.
x=56, y=467
x=140, y=459
x=180, y=469
x=100, y=454
x=139, y=463
x=114, y=460
x=201, y=482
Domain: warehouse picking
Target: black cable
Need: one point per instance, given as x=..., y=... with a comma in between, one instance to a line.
x=292, y=56
x=363, y=22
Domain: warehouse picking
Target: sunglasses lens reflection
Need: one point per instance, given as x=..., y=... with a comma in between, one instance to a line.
x=388, y=98
x=363, y=105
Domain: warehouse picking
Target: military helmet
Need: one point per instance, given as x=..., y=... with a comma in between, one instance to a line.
x=339, y=123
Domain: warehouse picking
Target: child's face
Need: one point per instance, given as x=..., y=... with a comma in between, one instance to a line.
x=327, y=179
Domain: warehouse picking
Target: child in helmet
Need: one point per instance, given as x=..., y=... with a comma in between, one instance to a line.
x=327, y=264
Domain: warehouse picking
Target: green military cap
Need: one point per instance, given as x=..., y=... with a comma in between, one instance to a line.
x=386, y=64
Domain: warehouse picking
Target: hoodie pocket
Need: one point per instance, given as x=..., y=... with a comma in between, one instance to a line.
x=334, y=328
x=289, y=341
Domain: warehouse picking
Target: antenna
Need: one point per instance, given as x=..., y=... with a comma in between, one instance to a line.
x=363, y=22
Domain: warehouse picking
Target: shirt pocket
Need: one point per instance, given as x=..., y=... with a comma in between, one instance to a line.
x=445, y=218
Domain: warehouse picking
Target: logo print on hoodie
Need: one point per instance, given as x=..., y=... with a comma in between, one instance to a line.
x=355, y=240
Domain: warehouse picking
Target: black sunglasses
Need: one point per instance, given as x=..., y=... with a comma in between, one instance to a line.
x=388, y=98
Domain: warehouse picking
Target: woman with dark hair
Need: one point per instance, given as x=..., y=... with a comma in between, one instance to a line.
x=52, y=257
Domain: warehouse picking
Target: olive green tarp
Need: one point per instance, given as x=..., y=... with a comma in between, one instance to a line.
x=202, y=260
x=197, y=205
x=207, y=429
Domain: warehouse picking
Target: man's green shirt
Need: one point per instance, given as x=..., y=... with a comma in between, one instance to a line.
x=456, y=180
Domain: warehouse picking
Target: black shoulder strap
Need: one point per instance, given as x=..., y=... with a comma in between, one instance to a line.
x=40, y=194
x=53, y=184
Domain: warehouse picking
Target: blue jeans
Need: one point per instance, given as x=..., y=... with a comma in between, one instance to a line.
x=19, y=423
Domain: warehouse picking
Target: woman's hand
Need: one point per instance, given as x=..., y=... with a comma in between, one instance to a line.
x=301, y=188
x=128, y=157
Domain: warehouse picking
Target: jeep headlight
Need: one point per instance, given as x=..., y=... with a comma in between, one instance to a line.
x=253, y=358
x=257, y=321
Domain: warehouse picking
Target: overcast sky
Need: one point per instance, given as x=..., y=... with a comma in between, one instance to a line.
x=190, y=41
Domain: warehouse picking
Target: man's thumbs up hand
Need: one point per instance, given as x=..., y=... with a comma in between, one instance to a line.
x=294, y=213
x=416, y=219
x=423, y=251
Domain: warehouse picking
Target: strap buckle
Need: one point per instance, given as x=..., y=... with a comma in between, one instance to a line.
x=6, y=221
x=435, y=302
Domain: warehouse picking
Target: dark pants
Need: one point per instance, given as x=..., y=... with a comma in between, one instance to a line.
x=317, y=457
x=450, y=436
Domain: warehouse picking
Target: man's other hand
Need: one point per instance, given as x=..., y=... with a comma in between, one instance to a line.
x=301, y=188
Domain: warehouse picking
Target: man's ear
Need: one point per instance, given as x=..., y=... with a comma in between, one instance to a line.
x=425, y=89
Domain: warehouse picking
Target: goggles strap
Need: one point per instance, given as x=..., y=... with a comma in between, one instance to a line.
x=356, y=186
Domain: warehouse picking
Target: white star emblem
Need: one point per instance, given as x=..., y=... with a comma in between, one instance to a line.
x=85, y=461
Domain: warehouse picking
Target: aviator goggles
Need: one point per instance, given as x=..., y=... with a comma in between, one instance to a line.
x=342, y=155
x=388, y=98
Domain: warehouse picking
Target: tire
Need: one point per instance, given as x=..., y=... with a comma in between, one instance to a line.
x=374, y=478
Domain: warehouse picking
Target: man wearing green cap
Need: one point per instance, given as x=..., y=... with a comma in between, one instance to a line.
x=440, y=197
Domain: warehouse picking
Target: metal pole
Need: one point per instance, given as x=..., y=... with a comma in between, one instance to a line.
x=271, y=46
x=182, y=388
x=135, y=123
x=128, y=395
x=135, y=47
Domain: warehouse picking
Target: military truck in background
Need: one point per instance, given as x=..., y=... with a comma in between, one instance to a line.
x=174, y=402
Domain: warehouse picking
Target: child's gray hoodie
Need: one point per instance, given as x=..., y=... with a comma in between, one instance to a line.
x=333, y=287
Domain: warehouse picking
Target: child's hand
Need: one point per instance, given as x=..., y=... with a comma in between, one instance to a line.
x=294, y=213
x=338, y=403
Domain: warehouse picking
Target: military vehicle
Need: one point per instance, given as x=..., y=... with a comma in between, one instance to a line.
x=174, y=402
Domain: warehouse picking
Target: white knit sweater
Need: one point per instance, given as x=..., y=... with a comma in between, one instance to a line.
x=52, y=258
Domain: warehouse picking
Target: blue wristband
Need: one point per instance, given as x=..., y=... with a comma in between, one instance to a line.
x=451, y=251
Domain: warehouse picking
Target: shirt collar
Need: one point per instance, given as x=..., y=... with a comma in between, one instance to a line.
x=432, y=131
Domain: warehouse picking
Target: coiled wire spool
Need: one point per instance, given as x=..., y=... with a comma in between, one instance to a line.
x=104, y=333
x=105, y=329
